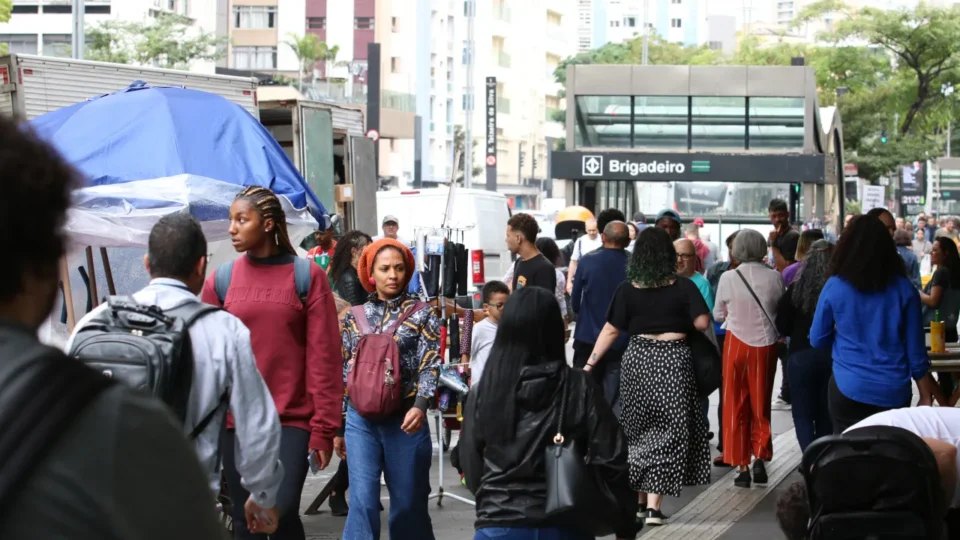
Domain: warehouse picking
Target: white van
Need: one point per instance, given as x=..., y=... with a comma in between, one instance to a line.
x=483, y=213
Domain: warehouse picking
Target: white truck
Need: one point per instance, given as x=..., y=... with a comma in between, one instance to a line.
x=34, y=85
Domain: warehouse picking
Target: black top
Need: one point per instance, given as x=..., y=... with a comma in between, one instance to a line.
x=657, y=310
x=350, y=289
x=509, y=480
x=794, y=322
x=536, y=272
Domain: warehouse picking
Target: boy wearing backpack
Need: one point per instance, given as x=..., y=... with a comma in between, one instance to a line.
x=216, y=365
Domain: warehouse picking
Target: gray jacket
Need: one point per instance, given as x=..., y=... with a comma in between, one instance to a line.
x=223, y=360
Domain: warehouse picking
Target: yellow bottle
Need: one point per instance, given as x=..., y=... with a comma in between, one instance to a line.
x=938, y=334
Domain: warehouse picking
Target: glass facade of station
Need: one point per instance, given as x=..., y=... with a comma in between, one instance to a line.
x=690, y=123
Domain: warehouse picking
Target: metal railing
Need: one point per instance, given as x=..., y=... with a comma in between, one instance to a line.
x=338, y=92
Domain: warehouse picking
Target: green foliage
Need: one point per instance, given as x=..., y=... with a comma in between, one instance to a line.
x=168, y=41
x=6, y=8
x=309, y=50
x=852, y=207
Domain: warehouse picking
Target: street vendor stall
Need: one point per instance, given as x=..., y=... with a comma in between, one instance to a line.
x=145, y=152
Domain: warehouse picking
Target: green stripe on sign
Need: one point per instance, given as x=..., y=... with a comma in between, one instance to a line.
x=700, y=166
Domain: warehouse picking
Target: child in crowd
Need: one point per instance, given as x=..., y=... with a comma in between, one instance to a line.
x=494, y=295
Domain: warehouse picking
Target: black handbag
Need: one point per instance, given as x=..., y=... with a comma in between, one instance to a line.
x=707, y=362
x=575, y=498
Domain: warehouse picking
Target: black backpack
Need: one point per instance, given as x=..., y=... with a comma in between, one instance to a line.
x=146, y=348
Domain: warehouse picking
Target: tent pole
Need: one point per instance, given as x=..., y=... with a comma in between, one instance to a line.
x=107, y=272
x=67, y=294
x=92, y=272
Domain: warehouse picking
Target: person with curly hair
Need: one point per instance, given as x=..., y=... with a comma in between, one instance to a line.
x=531, y=269
x=810, y=368
x=747, y=304
x=660, y=409
x=869, y=314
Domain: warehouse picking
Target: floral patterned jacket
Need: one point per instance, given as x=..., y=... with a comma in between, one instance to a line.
x=418, y=340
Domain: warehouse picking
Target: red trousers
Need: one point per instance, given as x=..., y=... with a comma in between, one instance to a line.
x=747, y=375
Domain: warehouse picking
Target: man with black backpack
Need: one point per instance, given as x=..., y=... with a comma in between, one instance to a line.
x=199, y=361
x=80, y=457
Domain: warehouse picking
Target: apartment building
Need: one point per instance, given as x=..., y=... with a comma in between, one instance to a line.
x=257, y=31
x=520, y=42
x=45, y=26
x=612, y=21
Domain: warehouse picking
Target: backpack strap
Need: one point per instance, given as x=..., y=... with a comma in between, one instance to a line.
x=221, y=281
x=361, y=317
x=222, y=404
x=417, y=306
x=47, y=403
x=301, y=276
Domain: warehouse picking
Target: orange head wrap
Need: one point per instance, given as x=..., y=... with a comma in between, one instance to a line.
x=365, y=264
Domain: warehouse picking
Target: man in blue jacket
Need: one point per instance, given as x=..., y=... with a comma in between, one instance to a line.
x=597, y=278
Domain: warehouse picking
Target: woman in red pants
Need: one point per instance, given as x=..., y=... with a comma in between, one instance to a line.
x=747, y=302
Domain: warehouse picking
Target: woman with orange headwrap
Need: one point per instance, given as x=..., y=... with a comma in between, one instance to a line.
x=398, y=446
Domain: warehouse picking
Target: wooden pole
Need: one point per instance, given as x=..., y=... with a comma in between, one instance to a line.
x=67, y=294
x=107, y=272
x=92, y=272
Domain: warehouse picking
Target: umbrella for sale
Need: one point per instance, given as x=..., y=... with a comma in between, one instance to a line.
x=145, y=152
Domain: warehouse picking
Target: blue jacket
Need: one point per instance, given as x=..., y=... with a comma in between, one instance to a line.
x=912, y=265
x=877, y=340
x=598, y=276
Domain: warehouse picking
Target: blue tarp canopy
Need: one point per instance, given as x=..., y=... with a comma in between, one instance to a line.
x=145, y=152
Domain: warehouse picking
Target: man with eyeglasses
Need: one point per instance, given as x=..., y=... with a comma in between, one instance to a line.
x=687, y=267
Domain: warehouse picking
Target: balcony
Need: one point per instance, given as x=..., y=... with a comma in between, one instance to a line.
x=556, y=39
x=501, y=13
x=503, y=59
x=503, y=105
x=399, y=101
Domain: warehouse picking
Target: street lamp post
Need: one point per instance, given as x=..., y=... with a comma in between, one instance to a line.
x=78, y=38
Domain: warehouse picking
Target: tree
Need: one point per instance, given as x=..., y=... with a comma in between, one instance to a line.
x=309, y=50
x=458, y=148
x=6, y=8
x=924, y=43
x=169, y=41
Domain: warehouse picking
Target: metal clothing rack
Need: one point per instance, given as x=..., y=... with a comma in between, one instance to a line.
x=449, y=234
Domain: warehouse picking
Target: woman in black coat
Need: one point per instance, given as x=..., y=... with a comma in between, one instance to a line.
x=343, y=267
x=346, y=285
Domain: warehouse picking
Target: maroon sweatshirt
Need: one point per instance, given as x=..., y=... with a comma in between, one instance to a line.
x=297, y=347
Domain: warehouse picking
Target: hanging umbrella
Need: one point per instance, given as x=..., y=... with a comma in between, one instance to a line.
x=144, y=152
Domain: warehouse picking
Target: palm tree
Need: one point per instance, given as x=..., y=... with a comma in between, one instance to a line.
x=308, y=49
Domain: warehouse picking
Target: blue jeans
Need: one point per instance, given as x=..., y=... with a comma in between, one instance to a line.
x=810, y=372
x=375, y=446
x=518, y=533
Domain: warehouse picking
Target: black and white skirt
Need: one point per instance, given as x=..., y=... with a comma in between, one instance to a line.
x=661, y=418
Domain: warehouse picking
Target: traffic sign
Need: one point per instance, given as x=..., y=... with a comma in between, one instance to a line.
x=491, y=161
x=373, y=134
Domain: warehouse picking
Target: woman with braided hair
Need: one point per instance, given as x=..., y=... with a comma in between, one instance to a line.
x=295, y=338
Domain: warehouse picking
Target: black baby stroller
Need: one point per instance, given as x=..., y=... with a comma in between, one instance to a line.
x=873, y=483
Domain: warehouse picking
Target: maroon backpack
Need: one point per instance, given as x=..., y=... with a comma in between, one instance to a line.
x=374, y=384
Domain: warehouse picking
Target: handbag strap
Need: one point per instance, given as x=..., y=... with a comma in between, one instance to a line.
x=755, y=297
x=564, y=385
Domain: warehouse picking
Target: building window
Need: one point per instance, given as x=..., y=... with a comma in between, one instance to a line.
x=316, y=23
x=25, y=9
x=675, y=1
x=57, y=45
x=615, y=24
x=254, y=17
x=363, y=23
x=394, y=64
x=676, y=23
x=20, y=43
x=254, y=58
x=716, y=45
x=394, y=25
x=630, y=22
x=172, y=5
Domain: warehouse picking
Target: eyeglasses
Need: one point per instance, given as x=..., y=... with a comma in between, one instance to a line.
x=498, y=305
x=686, y=255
